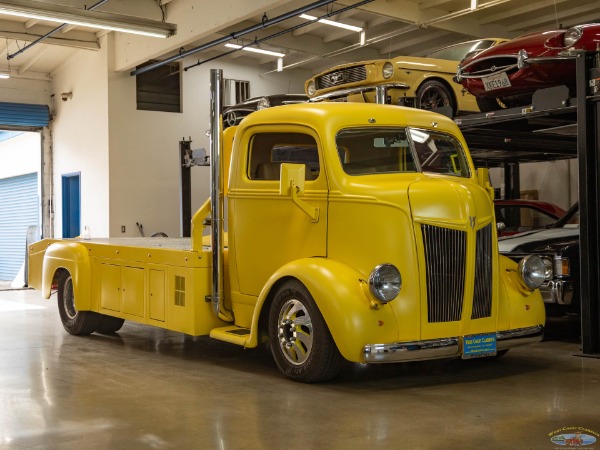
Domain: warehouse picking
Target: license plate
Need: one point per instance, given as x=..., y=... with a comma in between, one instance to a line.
x=497, y=81
x=479, y=346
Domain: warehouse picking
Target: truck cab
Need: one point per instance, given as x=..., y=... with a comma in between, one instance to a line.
x=358, y=232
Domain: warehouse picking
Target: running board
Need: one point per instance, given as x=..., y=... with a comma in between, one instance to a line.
x=231, y=334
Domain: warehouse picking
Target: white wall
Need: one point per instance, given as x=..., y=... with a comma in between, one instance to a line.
x=144, y=145
x=555, y=182
x=80, y=137
x=20, y=155
x=24, y=90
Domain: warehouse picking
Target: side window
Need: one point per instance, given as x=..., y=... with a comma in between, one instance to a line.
x=269, y=150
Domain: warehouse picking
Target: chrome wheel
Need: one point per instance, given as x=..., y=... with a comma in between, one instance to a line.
x=69, y=299
x=295, y=332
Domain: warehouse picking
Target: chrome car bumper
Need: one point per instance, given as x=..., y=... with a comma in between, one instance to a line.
x=559, y=292
x=446, y=347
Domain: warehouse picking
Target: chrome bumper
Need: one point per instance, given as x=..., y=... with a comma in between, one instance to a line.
x=446, y=347
x=557, y=291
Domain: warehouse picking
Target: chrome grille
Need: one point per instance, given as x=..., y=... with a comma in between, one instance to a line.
x=482, y=297
x=445, y=258
x=341, y=77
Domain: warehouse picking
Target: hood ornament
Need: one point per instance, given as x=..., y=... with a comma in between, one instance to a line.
x=472, y=221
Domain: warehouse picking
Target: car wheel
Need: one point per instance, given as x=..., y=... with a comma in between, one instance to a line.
x=109, y=325
x=301, y=343
x=433, y=94
x=75, y=322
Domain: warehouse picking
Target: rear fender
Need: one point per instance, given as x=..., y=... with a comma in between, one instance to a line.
x=343, y=298
x=74, y=258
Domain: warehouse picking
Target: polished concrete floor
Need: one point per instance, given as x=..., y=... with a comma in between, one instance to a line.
x=150, y=389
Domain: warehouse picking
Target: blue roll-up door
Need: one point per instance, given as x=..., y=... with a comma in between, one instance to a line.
x=24, y=115
x=19, y=206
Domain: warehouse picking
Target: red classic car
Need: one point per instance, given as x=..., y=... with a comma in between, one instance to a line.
x=506, y=75
x=521, y=215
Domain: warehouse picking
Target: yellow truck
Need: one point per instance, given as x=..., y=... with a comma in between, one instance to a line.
x=358, y=232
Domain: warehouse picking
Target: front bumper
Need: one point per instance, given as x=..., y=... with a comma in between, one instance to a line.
x=445, y=347
x=558, y=292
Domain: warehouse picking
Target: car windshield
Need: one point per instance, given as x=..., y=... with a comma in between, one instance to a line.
x=570, y=219
x=368, y=151
x=459, y=51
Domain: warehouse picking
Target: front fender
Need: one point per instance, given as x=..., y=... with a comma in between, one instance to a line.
x=518, y=307
x=73, y=257
x=344, y=300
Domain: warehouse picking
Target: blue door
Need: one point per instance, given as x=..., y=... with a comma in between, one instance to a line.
x=71, y=205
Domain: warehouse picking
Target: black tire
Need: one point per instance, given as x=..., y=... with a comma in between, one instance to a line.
x=433, y=94
x=78, y=323
x=109, y=325
x=301, y=343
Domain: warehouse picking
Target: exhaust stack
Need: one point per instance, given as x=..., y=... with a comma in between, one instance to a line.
x=216, y=196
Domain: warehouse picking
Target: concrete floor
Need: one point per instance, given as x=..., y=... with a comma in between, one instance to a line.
x=150, y=389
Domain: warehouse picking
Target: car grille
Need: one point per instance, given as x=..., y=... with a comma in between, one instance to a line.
x=341, y=77
x=445, y=264
x=445, y=255
x=491, y=66
x=482, y=297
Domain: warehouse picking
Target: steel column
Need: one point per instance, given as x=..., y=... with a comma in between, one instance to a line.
x=588, y=138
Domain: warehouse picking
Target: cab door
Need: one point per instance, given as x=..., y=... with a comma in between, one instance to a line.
x=267, y=230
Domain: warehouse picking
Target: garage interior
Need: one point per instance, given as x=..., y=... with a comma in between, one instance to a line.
x=103, y=159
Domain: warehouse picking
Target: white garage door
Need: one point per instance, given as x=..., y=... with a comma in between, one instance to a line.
x=19, y=206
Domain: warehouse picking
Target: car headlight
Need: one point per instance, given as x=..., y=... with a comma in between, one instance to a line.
x=310, y=90
x=385, y=282
x=548, y=267
x=263, y=103
x=387, y=71
x=532, y=271
x=571, y=36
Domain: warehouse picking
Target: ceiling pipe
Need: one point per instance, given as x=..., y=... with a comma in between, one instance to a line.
x=47, y=35
x=272, y=36
x=264, y=24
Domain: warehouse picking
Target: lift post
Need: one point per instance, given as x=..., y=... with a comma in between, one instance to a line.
x=588, y=139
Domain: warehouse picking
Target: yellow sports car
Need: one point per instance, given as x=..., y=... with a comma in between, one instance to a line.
x=405, y=80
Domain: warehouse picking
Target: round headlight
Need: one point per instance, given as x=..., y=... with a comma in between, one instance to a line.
x=263, y=103
x=310, y=89
x=388, y=70
x=548, y=267
x=532, y=271
x=571, y=36
x=385, y=282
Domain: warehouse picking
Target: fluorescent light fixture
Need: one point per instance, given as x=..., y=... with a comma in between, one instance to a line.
x=279, y=64
x=86, y=18
x=255, y=50
x=363, y=38
x=4, y=75
x=333, y=23
x=473, y=5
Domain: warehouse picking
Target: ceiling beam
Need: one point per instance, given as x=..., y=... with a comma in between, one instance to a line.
x=552, y=18
x=407, y=43
x=427, y=4
x=78, y=39
x=521, y=11
x=33, y=57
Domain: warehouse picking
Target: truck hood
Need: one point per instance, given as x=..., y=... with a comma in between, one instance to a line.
x=435, y=200
x=425, y=64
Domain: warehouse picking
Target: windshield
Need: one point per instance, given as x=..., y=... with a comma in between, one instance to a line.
x=459, y=51
x=368, y=151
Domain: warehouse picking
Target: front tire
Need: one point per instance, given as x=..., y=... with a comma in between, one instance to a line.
x=432, y=95
x=78, y=323
x=301, y=343
x=109, y=324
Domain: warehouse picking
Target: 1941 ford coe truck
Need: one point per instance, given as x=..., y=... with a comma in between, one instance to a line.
x=355, y=231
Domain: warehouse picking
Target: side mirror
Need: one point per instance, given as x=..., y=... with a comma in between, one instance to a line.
x=291, y=182
x=291, y=173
